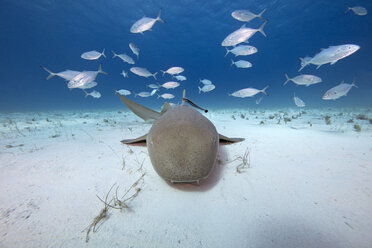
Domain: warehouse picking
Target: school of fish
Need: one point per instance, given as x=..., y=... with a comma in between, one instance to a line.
x=87, y=79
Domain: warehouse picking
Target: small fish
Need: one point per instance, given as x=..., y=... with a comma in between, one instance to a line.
x=242, y=35
x=173, y=70
x=241, y=63
x=241, y=50
x=94, y=94
x=248, y=92
x=66, y=75
x=170, y=85
x=143, y=72
x=358, y=10
x=330, y=55
x=145, y=23
x=124, y=57
x=338, y=91
x=258, y=100
x=153, y=92
x=166, y=96
x=245, y=15
x=84, y=77
x=134, y=49
x=153, y=86
x=298, y=101
x=206, y=88
x=205, y=81
x=143, y=94
x=93, y=55
x=88, y=85
x=303, y=80
x=124, y=73
x=124, y=92
x=180, y=78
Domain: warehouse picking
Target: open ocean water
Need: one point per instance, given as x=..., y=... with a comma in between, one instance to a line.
x=54, y=34
x=300, y=178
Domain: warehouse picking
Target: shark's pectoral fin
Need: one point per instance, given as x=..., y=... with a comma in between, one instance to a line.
x=141, y=111
x=226, y=140
x=140, y=141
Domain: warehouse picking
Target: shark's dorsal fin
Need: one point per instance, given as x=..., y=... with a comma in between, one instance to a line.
x=141, y=111
x=165, y=107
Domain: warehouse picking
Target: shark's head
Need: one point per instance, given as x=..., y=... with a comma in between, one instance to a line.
x=182, y=143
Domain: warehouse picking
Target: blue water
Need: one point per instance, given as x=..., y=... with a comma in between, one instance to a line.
x=55, y=33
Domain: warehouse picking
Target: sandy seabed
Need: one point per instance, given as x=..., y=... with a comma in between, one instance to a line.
x=306, y=184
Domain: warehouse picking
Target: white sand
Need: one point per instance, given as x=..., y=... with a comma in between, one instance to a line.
x=307, y=186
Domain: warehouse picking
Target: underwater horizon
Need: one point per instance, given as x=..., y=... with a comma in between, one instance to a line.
x=54, y=34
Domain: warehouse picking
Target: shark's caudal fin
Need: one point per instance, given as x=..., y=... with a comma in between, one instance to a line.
x=103, y=53
x=141, y=111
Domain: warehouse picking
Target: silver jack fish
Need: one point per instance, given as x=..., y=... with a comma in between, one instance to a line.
x=242, y=35
x=143, y=72
x=330, y=55
x=298, y=101
x=124, y=57
x=93, y=55
x=84, y=77
x=245, y=15
x=338, y=91
x=303, y=80
x=145, y=23
x=66, y=75
x=248, y=92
